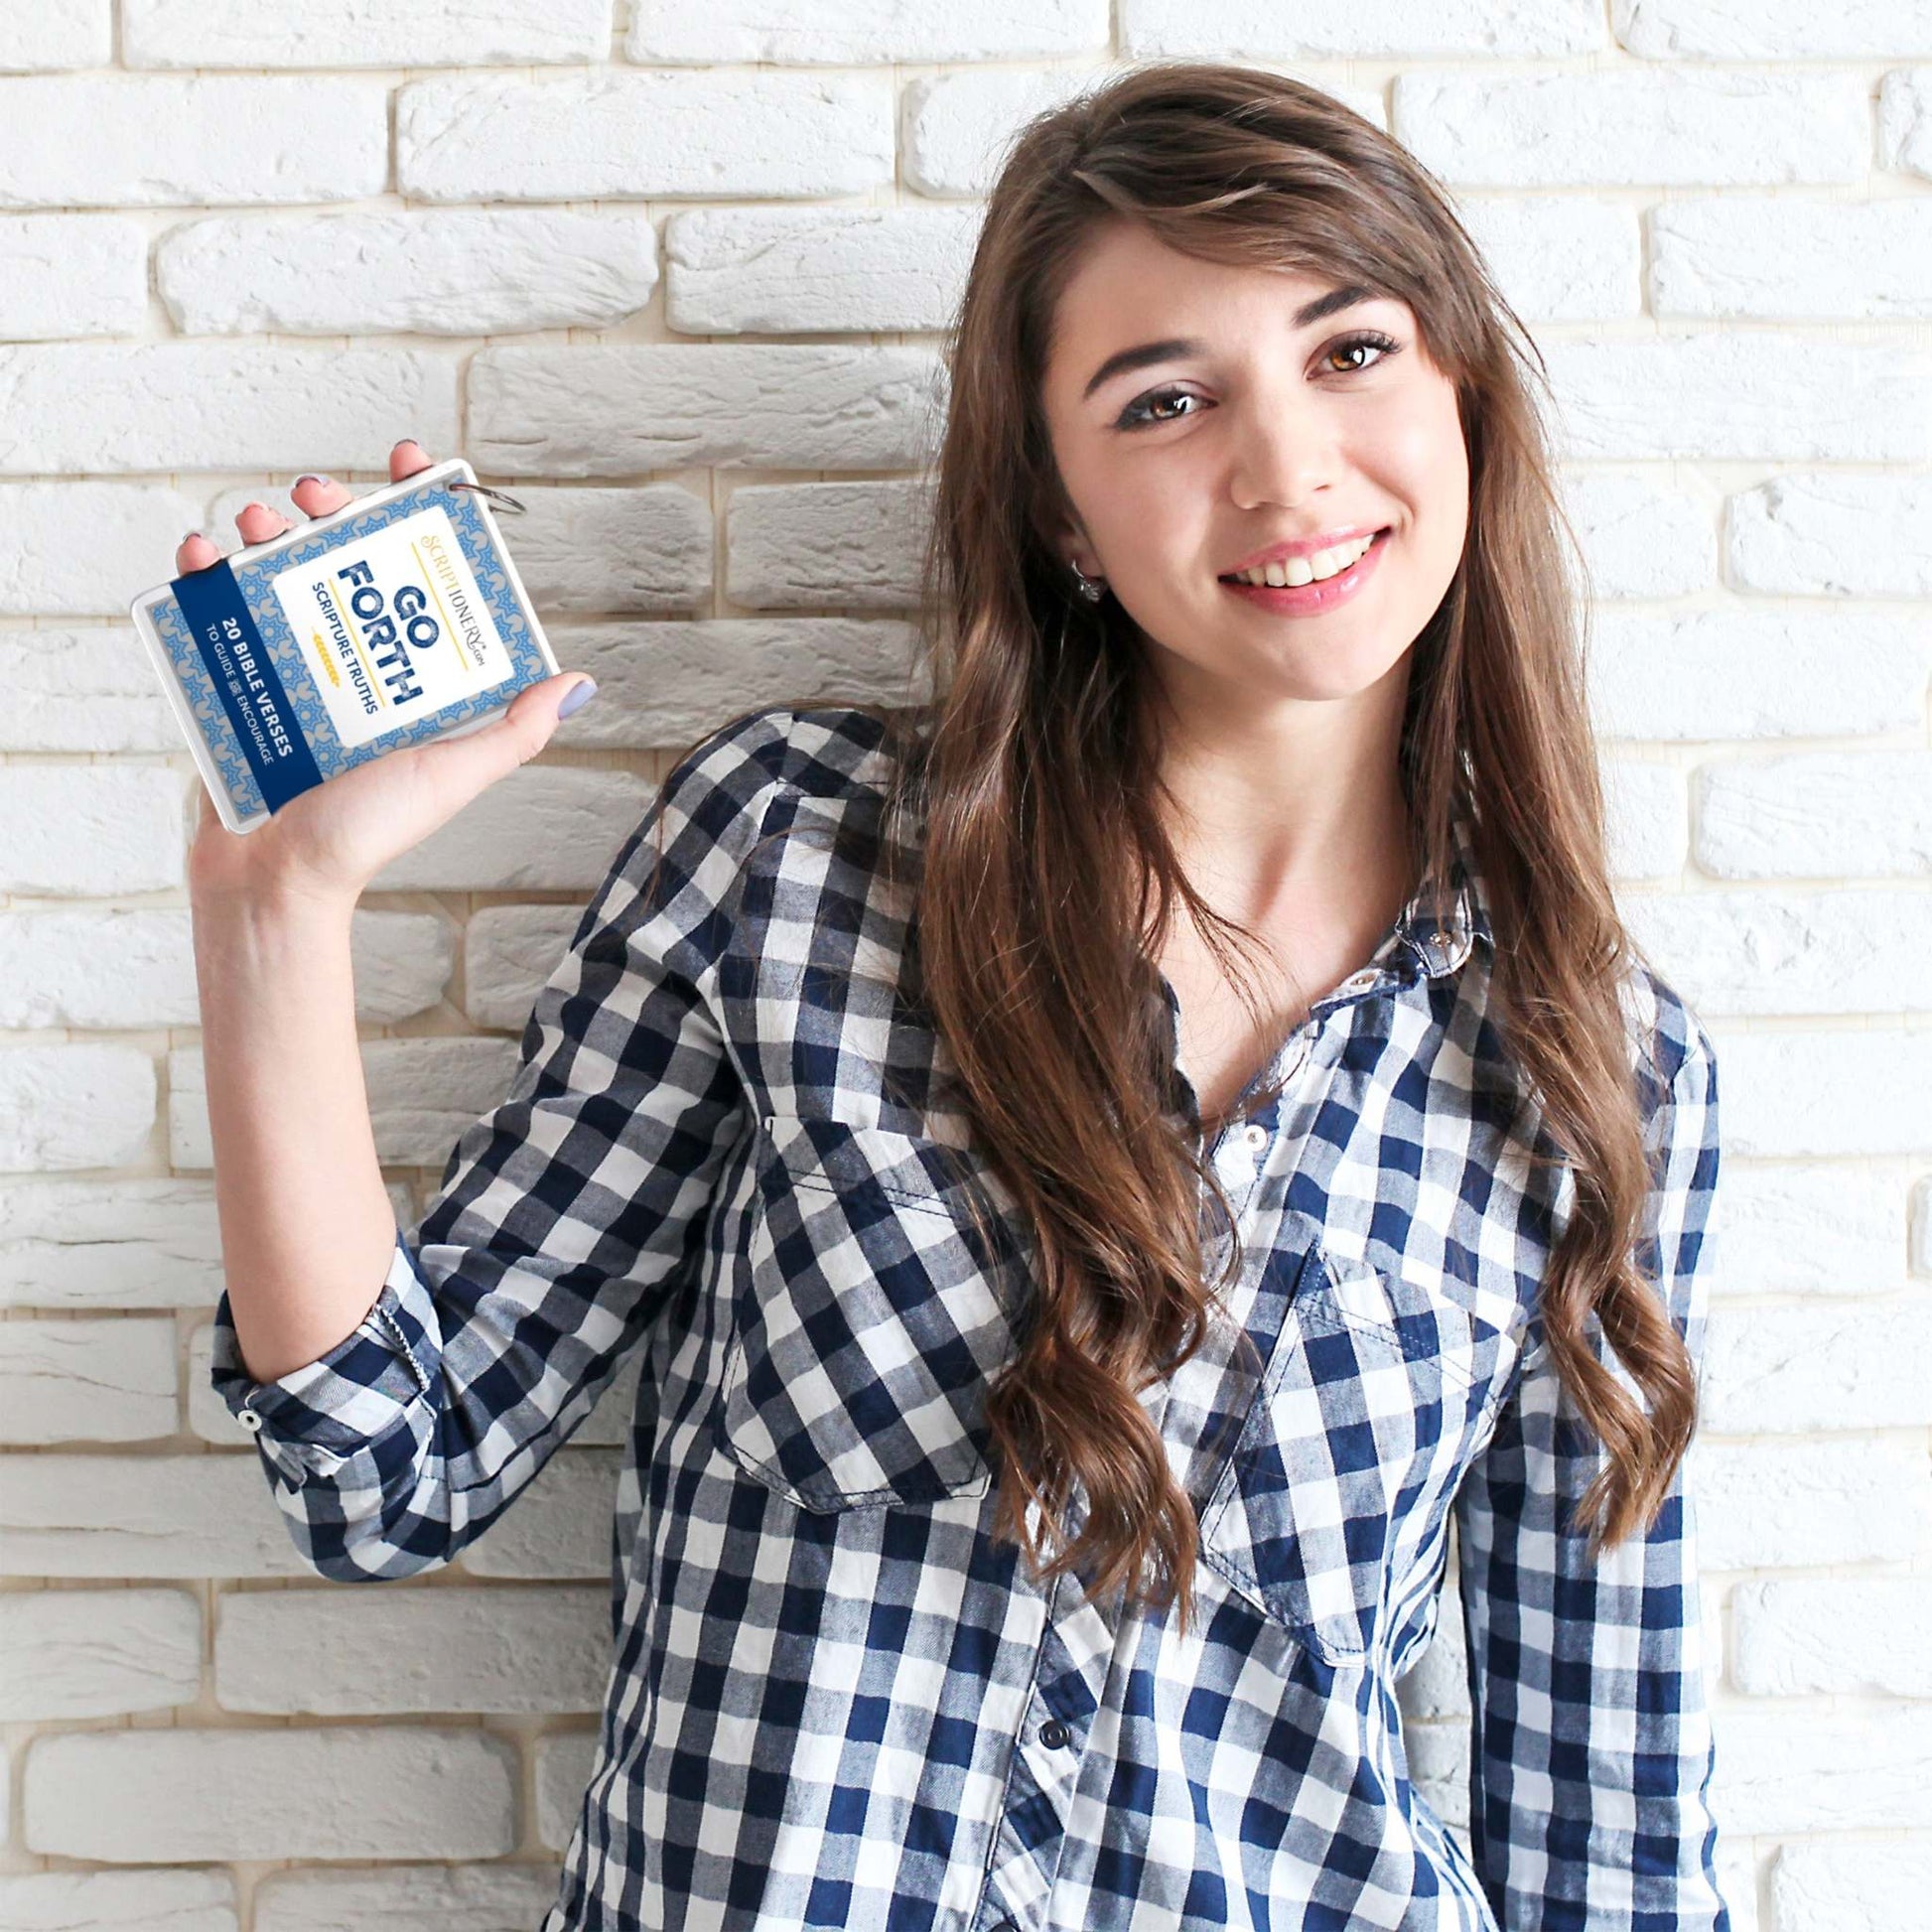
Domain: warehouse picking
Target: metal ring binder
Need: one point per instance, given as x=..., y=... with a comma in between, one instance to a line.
x=497, y=497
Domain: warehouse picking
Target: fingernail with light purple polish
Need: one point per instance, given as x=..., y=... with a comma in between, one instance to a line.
x=577, y=697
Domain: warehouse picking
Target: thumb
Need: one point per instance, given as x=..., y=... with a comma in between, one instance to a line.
x=462, y=766
x=535, y=712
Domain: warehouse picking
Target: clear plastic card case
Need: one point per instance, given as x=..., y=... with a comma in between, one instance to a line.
x=394, y=620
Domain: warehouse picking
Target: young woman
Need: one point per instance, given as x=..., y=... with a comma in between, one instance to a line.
x=1104, y=1170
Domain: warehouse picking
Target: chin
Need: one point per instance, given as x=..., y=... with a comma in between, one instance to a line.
x=1313, y=675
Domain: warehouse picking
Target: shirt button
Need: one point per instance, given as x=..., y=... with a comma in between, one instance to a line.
x=249, y=1419
x=1360, y=979
x=1054, y=1734
x=1257, y=1135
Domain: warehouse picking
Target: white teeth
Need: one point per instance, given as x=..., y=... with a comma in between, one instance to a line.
x=1308, y=569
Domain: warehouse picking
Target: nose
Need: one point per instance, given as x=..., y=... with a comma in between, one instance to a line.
x=1285, y=446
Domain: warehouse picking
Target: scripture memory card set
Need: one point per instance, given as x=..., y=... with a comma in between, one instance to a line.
x=397, y=619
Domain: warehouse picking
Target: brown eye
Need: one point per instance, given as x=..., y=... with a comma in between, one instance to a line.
x=1138, y=411
x=1368, y=339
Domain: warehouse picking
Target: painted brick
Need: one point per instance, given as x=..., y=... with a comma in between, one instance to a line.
x=667, y=685
x=89, y=1106
x=98, y=969
x=58, y=34
x=1773, y=30
x=1560, y=257
x=848, y=545
x=614, y=136
x=1831, y=1500
x=344, y=1792
x=1810, y=1771
x=1831, y=1365
x=472, y=1898
x=96, y=1653
x=955, y=128
x=1632, y=126
x=141, y=1516
x=1783, y=257
x=443, y=272
x=72, y=275
x=740, y=271
x=1808, y=815
x=1640, y=537
x=1751, y=397
x=1804, y=1635
x=194, y=1899
x=1830, y=535
x=646, y=551
x=1791, y=1229
x=1817, y=1887
x=1905, y=120
x=1822, y=1091
x=1242, y=29
x=534, y=1651
x=556, y=827
x=622, y=409
x=605, y=550
x=832, y=33
x=136, y=1242
x=171, y=406
x=1648, y=827
x=82, y=691
x=565, y=1761
x=1740, y=673
x=560, y=1528
x=375, y=34
x=1788, y=953
x=88, y=829
x=102, y=1381
x=182, y=143
x=132, y=530
x=508, y=953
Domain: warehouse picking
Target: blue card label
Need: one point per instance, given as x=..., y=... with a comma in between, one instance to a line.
x=245, y=680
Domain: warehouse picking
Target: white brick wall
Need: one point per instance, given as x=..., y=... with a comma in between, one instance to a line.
x=571, y=240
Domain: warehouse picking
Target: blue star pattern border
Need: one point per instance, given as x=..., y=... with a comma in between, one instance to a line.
x=529, y=664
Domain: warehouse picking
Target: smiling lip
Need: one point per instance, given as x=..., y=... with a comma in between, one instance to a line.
x=1300, y=547
x=1292, y=600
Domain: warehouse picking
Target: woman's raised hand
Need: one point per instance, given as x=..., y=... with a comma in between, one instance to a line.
x=330, y=841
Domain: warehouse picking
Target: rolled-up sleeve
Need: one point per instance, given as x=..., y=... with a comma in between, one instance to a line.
x=1592, y=1753
x=564, y=1221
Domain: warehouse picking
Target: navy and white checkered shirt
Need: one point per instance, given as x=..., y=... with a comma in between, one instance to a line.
x=836, y=1699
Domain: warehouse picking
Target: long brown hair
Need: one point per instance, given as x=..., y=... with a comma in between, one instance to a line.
x=1033, y=772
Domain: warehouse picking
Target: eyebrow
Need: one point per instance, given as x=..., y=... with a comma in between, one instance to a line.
x=1172, y=347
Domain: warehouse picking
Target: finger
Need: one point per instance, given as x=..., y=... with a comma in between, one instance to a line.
x=258, y=524
x=318, y=495
x=195, y=552
x=407, y=458
x=479, y=758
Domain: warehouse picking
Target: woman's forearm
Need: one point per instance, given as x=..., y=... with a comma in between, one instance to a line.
x=307, y=1228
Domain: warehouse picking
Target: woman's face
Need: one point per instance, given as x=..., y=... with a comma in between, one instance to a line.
x=1247, y=425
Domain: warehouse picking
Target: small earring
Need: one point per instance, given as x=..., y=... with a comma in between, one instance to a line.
x=1093, y=589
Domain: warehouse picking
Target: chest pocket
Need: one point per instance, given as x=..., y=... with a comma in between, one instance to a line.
x=865, y=1322
x=1376, y=1396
